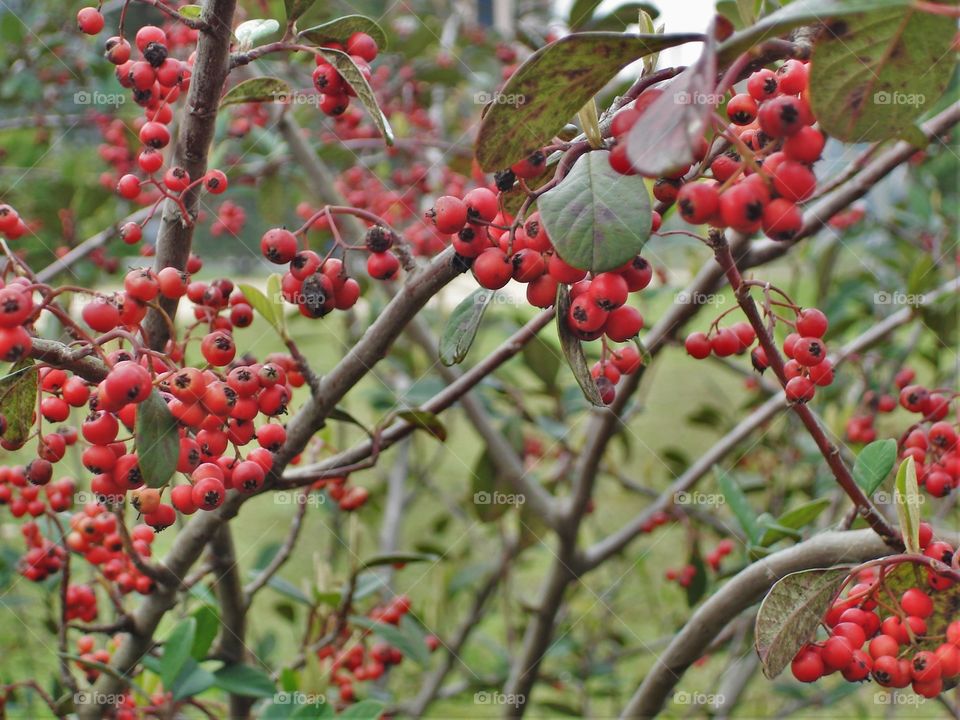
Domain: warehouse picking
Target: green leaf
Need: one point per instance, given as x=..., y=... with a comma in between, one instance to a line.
x=247, y=33
x=341, y=29
x=296, y=8
x=739, y=505
x=793, y=520
x=262, y=89
x=551, y=85
x=667, y=134
x=597, y=218
x=352, y=75
x=581, y=13
x=425, y=420
x=698, y=585
x=543, y=358
x=864, y=79
x=275, y=296
x=207, y=625
x=191, y=681
x=191, y=12
x=790, y=614
x=461, y=328
x=484, y=485
x=873, y=464
x=363, y=710
x=176, y=650
x=245, y=680
x=906, y=496
x=18, y=401
x=260, y=302
x=417, y=651
x=398, y=557
x=157, y=441
x=573, y=350
x=797, y=13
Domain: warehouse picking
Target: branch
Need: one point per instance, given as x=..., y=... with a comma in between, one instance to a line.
x=231, y=645
x=737, y=595
x=283, y=554
x=175, y=237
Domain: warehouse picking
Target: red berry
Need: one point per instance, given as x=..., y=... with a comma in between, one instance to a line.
x=383, y=266
x=763, y=84
x=362, y=45
x=811, y=322
x=585, y=315
x=794, y=181
x=807, y=666
x=782, y=116
x=782, y=220
x=836, y=653
x=805, y=145
x=492, y=269
x=916, y=602
x=742, y=109
x=449, y=214
x=698, y=202
x=608, y=290
x=799, y=389
x=698, y=345
x=623, y=323
x=90, y=21
x=278, y=245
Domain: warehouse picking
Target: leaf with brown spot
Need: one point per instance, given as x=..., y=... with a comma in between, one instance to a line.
x=18, y=401
x=790, y=613
x=548, y=89
x=886, y=70
x=666, y=135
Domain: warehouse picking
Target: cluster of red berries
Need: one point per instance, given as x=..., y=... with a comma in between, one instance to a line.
x=23, y=497
x=685, y=575
x=893, y=644
x=318, y=285
x=767, y=170
x=95, y=534
x=501, y=253
x=16, y=310
x=335, y=92
x=81, y=603
x=12, y=225
x=347, y=498
x=807, y=366
x=357, y=662
x=88, y=653
x=43, y=557
x=230, y=219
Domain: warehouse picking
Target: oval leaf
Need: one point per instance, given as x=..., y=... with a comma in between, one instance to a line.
x=573, y=350
x=425, y=420
x=790, y=613
x=597, y=218
x=18, y=400
x=667, y=134
x=872, y=75
x=461, y=327
x=264, y=89
x=157, y=440
x=352, y=75
x=247, y=33
x=191, y=12
x=797, y=13
x=192, y=680
x=792, y=520
x=244, y=680
x=296, y=8
x=906, y=496
x=734, y=496
x=398, y=558
x=548, y=89
x=176, y=650
x=261, y=303
x=873, y=464
x=341, y=29
x=363, y=710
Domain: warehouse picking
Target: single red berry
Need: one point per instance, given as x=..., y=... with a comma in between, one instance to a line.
x=278, y=245
x=916, y=602
x=809, y=351
x=608, y=290
x=742, y=109
x=792, y=77
x=90, y=21
x=129, y=187
x=362, y=45
x=794, y=181
x=811, y=322
x=383, y=266
x=449, y=214
x=805, y=145
x=783, y=116
x=623, y=323
x=762, y=84
x=800, y=389
x=492, y=269
x=698, y=345
x=807, y=666
x=782, y=220
x=698, y=202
